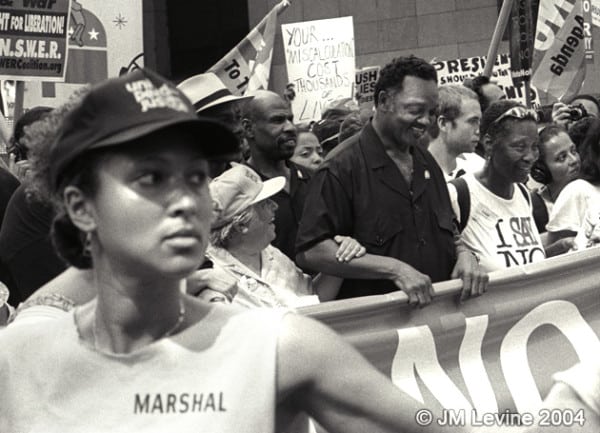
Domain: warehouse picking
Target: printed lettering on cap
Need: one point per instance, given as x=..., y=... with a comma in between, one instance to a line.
x=252, y=176
x=149, y=96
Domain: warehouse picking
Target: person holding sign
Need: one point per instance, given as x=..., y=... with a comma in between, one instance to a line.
x=381, y=188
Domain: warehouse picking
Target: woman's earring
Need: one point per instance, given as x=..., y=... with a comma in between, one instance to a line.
x=87, y=245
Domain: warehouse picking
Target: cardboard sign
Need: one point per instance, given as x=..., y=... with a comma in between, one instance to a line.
x=320, y=63
x=105, y=37
x=457, y=70
x=33, y=39
x=364, y=86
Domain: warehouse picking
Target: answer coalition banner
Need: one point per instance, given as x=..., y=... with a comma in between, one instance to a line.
x=492, y=354
x=104, y=39
x=33, y=39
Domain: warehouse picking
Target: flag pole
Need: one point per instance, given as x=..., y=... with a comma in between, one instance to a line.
x=497, y=37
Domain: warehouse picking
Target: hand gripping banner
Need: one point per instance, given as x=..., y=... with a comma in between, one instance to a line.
x=492, y=354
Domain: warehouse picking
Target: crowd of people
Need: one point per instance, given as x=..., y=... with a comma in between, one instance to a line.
x=142, y=209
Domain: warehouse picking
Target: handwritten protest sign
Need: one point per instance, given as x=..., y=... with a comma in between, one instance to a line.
x=33, y=39
x=457, y=70
x=320, y=63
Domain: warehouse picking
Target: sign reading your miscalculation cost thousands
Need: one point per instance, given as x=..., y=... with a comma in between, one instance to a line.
x=33, y=39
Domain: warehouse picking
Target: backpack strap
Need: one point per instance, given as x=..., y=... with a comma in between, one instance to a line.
x=540, y=212
x=525, y=192
x=464, y=201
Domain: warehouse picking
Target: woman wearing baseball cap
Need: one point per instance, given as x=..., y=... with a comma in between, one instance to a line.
x=128, y=172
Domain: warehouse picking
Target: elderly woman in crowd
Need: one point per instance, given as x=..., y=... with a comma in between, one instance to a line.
x=241, y=247
x=129, y=175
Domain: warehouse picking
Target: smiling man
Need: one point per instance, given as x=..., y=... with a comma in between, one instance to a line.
x=389, y=194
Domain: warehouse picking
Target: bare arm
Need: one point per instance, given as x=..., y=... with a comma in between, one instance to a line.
x=553, y=237
x=323, y=375
x=322, y=257
x=74, y=284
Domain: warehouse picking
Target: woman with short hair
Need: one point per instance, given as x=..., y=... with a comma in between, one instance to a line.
x=241, y=237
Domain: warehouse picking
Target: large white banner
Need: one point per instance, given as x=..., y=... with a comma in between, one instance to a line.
x=492, y=356
x=104, y=37
x=320, y=63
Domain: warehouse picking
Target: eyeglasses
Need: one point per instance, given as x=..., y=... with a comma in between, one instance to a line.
x=518, y=112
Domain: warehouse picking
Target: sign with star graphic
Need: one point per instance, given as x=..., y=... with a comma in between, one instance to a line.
x=104, y=37
x=33, y=39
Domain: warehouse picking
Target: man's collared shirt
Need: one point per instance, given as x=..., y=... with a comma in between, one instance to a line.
x=360, y=192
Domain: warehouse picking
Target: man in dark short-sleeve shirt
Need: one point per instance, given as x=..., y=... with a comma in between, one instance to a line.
x=390, y=195
x=271, y=134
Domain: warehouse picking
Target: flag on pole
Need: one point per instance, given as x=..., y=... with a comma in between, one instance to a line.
x=247, y=66
x=559, y=50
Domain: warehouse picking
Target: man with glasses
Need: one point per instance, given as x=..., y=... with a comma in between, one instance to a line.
x=384, y=190
x=495, y=208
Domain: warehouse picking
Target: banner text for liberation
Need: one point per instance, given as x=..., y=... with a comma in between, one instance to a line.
x=33, y=39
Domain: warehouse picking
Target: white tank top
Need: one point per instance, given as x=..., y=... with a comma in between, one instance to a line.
x=217, y=376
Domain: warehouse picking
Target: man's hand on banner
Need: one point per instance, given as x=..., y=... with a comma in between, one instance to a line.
x=416, y=285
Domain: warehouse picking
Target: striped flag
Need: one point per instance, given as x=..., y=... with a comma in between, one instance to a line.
x=247, y=66
x=559, y=50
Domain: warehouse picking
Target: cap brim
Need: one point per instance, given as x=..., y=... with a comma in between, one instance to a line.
x=223, y=100
x=270, y=188
x=214, y=137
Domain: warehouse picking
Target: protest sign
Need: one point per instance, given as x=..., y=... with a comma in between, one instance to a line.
x=364, y=86
x=33, y=39
x=104, y=38
x=595, y=7
x=588, y=37
x=320, y=63
x=521, y=44
x=559, y=54
x=493, y=354
x=455, y=71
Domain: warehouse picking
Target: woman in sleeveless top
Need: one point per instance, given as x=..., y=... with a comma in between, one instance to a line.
x=128, y=173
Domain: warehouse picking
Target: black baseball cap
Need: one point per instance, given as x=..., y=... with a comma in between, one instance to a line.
x=123, y=109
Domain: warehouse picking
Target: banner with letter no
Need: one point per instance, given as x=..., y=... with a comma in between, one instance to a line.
x=320, y=63
x=33, y=39
x=490, y=354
